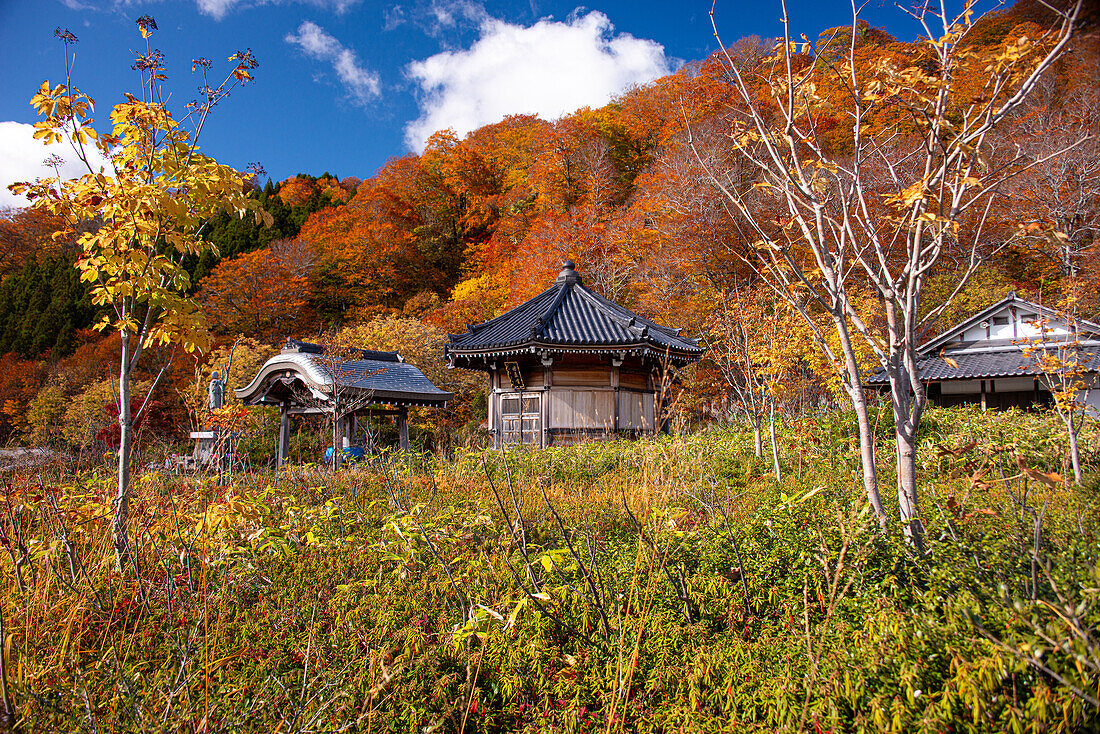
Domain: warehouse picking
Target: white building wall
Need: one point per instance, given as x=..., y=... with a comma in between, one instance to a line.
x=1090, y=398
x=1024, y=324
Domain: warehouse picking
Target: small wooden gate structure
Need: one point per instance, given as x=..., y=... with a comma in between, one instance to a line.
x=301, y=381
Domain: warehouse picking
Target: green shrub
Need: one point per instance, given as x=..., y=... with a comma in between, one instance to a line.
x=658, y=585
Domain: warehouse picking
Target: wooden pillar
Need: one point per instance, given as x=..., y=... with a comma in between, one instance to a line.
x=520, y=415
x=282, y=451
x=983, y=396
x=345, y=429
x=494, y=405
x=403, y=427
x=547, y=381
x=616, y=362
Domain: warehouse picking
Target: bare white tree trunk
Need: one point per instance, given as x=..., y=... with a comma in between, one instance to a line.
x=775, y=446
x=853, y=385
x=907, y=409
x=1072, y=428
x=119, y=533
x=888, y=208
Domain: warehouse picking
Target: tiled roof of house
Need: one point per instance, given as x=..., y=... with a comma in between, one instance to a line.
x=570, y=315
x=1007, y=362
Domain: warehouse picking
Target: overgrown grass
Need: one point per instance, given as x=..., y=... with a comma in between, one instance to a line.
x=663, y=585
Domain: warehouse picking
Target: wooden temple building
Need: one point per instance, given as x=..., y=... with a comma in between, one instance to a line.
x=570, y=365
x=303, y=380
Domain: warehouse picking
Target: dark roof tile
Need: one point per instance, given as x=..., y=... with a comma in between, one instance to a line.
x=984, y=365
x=568, y=313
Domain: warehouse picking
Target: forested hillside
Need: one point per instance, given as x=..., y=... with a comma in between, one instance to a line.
x=473, y=226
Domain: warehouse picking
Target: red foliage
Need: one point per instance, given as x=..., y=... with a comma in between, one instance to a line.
x=153, y=419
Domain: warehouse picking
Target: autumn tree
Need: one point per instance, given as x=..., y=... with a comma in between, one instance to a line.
x=262, y=293
x=28, y=231
x=152, y=199
x=20, y=380
x=1066, y=367
x=399, y=235
x=882, y=210
x=1052, y=208
x=739, y=337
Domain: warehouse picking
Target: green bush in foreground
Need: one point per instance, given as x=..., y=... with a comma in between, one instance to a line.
x=657, y=586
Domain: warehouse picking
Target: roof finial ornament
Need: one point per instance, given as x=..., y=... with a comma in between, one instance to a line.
x=568, y=273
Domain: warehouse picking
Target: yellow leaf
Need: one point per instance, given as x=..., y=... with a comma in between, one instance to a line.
x=912, y=194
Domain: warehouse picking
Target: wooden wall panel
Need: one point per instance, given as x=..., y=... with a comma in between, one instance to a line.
x=561, y=409
x=582, y=409
x=533, y=376
x=630, y=410
x=636, y=411
x=603, y=410
x=599, y=376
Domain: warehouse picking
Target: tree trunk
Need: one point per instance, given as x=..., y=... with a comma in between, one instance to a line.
x=7, y=709
x=854, y=388
x=867, y=453
x=1074, y=455
x=335, y=438
x=775, y=446
x=119, y=535
x=757, y=436
x=907, y=409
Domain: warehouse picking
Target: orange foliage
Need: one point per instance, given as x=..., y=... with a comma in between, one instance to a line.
x=260, y=293
x=297, y=190
x=27, y=230
x=20, y=380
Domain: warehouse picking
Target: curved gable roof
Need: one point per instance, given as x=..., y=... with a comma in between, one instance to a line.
x=384, y=376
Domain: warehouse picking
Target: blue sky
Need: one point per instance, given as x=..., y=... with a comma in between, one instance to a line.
x=344, y=85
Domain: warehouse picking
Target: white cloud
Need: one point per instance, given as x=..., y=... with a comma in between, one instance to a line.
x=361, y=84
x=21, y=158
x=218, y=9
x=435, y=17
x=448, y=13
x=393, y=18
x=550, y=69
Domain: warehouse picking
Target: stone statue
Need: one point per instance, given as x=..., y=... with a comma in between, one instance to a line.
x=217, y=392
